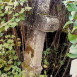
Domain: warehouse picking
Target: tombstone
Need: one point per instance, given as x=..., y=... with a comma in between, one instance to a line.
x=42, y=24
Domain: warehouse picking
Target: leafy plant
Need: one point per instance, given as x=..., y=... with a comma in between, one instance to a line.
x=11, y=13
x=46, y=54
x=71, y=5
x=9, y=63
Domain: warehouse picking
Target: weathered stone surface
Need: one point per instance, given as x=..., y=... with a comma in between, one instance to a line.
x=36, y=33
x=46, y=23
x=42, y=6
x=36, y=43
x=42, y=20
x=73, y=70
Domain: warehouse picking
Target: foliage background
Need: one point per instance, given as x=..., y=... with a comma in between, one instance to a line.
x=11, y=13
x=56, y=46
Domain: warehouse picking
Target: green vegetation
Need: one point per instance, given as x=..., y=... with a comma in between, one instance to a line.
x=9, y=63
x=45, y=57
x=11, y=13
x=71, y=5
x=10, y=16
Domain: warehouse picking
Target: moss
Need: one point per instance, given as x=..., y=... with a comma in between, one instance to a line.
x=29, y=49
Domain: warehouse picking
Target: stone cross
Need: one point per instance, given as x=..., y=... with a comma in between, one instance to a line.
x=36, y=36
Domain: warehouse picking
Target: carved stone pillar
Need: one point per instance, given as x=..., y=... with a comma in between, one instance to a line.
x=36, y=36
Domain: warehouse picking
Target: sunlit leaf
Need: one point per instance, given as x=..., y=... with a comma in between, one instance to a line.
x=71, y=17
x=75, y=24
x=72, y=38
x=15, y=3
x=75, y=17
x=72, y=55
x=1, y=65
x=28, y=8
x=73, y=13
x=67, y=24
x=10, y=62
x=73, y=49
x=16, y=14
x=72, y=6
x=17, y=20
x=8, y=67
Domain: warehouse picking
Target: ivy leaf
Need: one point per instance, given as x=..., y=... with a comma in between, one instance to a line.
x=15, y=57
x=19, y=43
x=4, y=75
x=15, y=75
x=73, y=49
x=72, y=6
x=17, y=20
x=67, y=23
x=2, y=29
x=13, y=24
x=0, y=72
x=16, y=14
x=10, y=41
x=1, y=34
x=2, y=14
x=10, y=47
x=15, y=3
x=8, y=67
x=6, y=0
x=1, y=65
x=72, y=38
x=72, y=55
x=28, y=8
x=1, y=47
x=7, y=8
x=1, y=1
x=10, y=12
x=0, y=11
x=22, y=11
x=22, y=17
x=1, y=7
x=6, y=28
x=73, y=13
x=18, y=63
x=10, y=62
x=46, y=62
x=13, y=36
x=71, y=17
x=75, y=17
x=75, y=24
x=7, y=36
x=6, y=45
